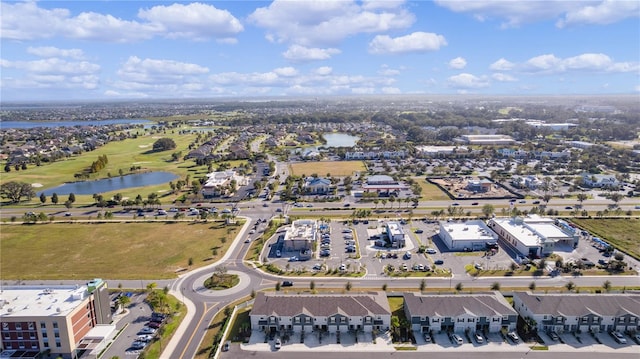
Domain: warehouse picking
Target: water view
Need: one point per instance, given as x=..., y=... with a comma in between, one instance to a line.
x=33, y=124
x=113, y=184
x=340, y=140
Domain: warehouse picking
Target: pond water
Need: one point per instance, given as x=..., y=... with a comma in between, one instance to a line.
x=33, y=124
x=112, y=184
x=340, y=140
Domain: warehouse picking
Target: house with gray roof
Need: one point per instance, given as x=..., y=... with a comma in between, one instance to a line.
x=485, y=312
x=320, y=312
x=583, y=312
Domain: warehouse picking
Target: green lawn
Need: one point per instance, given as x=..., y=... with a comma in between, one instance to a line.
x=430, y=192
x=109, y=250
x=622, y=233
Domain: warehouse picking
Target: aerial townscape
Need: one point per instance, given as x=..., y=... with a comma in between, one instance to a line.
x=287, y=179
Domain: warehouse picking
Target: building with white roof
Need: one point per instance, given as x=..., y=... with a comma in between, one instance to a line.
x=55, y=318
x=396, y=234
x=301, y=235
x=222, y=182
x=474, y=235
x=534, y=236
x=487, y=139
x=441, y=150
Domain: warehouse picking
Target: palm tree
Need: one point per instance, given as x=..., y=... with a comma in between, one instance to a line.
x=487, y=210
x=495, y=286
x=423, y=285
x=123, y=301
x=607, y=285
x=570, y=286
x=582, y=197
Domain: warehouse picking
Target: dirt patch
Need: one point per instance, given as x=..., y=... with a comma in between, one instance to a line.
x=472, y=187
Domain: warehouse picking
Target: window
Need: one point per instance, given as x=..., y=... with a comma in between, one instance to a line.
x=56, y=334
x=20, y=336
x=44, y=334
x=58, y=345
x=18, y=326
x=460, y=320
x=435, y=320
x=5, y=326
x=495, y=320
x=34, y=345
x=32, y=336
x=584, y=319
x=45, y=344
x=31, y=325
x=7, y=336
x=43, y=325
x=55, y=325
x=21, y=345
x=471, y=320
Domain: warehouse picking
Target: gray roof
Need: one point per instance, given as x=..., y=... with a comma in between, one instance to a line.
x=321, y=305
x=447, y=305
x=604, y=305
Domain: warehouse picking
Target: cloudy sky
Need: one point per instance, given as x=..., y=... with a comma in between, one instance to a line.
x=59, y=50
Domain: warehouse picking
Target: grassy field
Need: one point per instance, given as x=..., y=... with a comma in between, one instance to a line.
x=109, y=250
x=430, y=192
x=122, y=155
x=624, y=234
x=335, y=168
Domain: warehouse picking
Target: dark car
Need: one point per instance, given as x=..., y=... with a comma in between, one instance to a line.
x=536, y=202
x=287, y=283
x=154, y=325
x=419, y=231
x=439, y=262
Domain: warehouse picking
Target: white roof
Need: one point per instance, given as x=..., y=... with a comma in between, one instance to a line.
x=523, y=234
x=394, y=228
x=548, y=230
x=470, y=230
x=41, y=300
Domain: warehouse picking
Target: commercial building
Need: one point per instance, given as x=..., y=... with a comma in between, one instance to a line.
x=54, y=319
x=396, y=234
x=301, y=235
x=316, y=185
x=479, y=186
x=434, y=151
x=473, y=235
x=383, y=185
x=600, y=181
x=534, y=236
x=222, y=183
x=332, y=313
x=486, y=139
x=484, y=312
x=582, y=312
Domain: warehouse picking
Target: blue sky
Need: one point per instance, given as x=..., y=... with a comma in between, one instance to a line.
x=103, y=50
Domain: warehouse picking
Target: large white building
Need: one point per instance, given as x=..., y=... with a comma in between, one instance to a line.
x=55, y=319
x=396, y=234
x=487, y=139
x=320, y=312
x=301, y=235
x=474, y=235
x=585, y=312
x=217, y=183
x=534, y=236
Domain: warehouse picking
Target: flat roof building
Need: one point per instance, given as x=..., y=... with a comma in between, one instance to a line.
x=474, y=235
x=396, y=234
x=487, y=139
x=54, y=318
x=534, y=236
x=301, y=235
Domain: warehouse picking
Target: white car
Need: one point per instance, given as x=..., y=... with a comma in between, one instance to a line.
x=457, y=339
x=278, y=344
x=619, y=337
x=478, y=338
x=431, y=251
x=513, y=337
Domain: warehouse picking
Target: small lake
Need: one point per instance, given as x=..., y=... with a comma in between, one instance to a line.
x=340, y=140
x=112, y=184
x=33, y=124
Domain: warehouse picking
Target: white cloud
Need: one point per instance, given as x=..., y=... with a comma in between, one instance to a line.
x=27, y=21
x=637, y=88
x=286, y=71
x=498, y=76
x=606, y=12
x=458, y=63
x=51, y=73
x=385, y=70
x=195, y=21
x=50, y=51
x=467, y=81
x=322, y=23
x=53, y=66
x=158, y=72
x=323, y=71
x=391, y=90
x=593, y=62
x=502, y=65
x=298, y=53
x=415, y=42
x=516, y=13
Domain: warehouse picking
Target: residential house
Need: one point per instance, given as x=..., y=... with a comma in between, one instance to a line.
x=331, y=313
x=457, y=313
x=317, y=186
x=583, y=312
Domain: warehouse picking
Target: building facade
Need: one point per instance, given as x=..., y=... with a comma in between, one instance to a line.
x=580, y=312
x=52, y=319
x=273, y=312
x=484, y=312
x=474, y=235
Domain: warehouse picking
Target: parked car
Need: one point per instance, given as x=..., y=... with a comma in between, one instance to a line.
x=225, y=347
x=278, y=344
x=427, y=337
x=147, y=330
x=457, y=339
x=431, y=251
x=618, y=337
x=439, y=261
x=554, y=336
x=278, y=254
x=478, y=337
x=145, y=338
x=513, y=336
x=287, y=283
x=248, y=240
x=418, y=231
x=154, y=325
x=138, y=345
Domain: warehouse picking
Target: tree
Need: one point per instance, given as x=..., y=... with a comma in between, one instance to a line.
x=423, y=285
x=348, y=286
x=14, y=191
x=123, y=300
x=615, y=197
x=164, y=144
x=312, y=285
x=532, y=286
x=487, y=210
x=54, y=198
x=43, y=198
x=459, y=287
x=582, y=197
x=395, y=325
x=570, y=286
x=278, y=285
x=72, y=197
x=607, y=285
x=495, y=286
